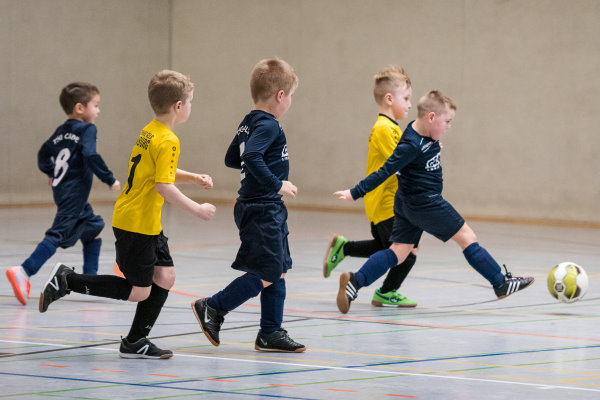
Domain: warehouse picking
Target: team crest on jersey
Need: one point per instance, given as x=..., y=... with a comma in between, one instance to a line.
x=433, y=163
x=284, y=154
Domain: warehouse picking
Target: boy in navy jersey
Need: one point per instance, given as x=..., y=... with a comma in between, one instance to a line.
x=259, y=149
x=70, y=160
x=419, y=205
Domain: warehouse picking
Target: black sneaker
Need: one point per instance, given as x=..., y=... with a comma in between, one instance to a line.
x=512, y=285
x=210, y=320
x=278, y=341
x=143, y=348
x=347, y=291
x=56, y=286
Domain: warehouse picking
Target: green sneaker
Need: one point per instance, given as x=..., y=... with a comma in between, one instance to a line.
x=334, y=254
x=391, y=299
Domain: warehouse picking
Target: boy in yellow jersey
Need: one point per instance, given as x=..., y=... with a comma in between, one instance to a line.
x=392, y=94
x=142, y=251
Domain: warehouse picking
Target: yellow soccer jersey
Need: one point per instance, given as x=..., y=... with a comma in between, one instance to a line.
x=153, y=160
x=385, y=135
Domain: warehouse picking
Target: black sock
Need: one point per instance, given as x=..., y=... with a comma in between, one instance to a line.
x=398, y=274
x=147, y=313
x=362, y=248
x=110, y=286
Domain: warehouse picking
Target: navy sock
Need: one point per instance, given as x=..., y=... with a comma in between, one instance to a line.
x=147, y=313
x=236, y=293
x=44, y=250
x=271, y=302
x=482, y=261
x=375, y=267
x=111, y=286
x=398, y=274
x=91, y=254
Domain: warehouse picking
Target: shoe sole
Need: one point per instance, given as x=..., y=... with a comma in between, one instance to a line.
x=41, y=303
x=210, y=339
x=325, y=267
x=300, y=350
x=523, y=288
x=12, y=279
x=134, y=356
x=380, y=304
x=342, y=300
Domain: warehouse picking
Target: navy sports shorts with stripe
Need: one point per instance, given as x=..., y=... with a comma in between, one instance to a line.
x=67, y=229
x=264, y=251
x=137, y=254
x=431, y=214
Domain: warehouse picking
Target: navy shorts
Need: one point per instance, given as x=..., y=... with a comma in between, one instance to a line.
x=416, y=214
x=264, y=251
x=137, y=254
x=67, y=229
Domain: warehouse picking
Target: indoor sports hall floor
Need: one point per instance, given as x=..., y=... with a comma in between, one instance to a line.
x=459, y=343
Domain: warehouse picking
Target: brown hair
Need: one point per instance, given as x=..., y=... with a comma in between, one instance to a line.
x=167, y=88
x=388, y=81
x=436, y=102
x=76, y=92
x=270, y=76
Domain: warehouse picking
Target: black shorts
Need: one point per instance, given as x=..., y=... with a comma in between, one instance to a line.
x=416, y=214
x=382, y=231
x=67, y=229
x=137, y=254
x=264, y=251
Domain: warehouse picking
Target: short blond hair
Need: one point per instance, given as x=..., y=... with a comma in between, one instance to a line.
x=270, y=76
x=388, y=81
x=436, y=102
x=167, y=88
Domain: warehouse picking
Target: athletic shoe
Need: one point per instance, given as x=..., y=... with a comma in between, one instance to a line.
x=56, y=286
x=143, y=348
x=210, y=320
x=392, y=298
x=19, y=280
x=278, y=341
x=512, y=285
x=347, y=291
x=334, y=254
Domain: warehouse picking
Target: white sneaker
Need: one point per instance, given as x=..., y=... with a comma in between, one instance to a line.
x=19, y=280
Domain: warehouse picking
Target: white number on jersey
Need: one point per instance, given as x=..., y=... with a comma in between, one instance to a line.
x=61, y=165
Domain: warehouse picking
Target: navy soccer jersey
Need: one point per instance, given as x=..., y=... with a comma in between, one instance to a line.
x=259, y=149
x=417, y=162
x=70, y=158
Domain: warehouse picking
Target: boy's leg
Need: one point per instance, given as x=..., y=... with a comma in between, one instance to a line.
x=271, y=336
x=91, y=255
x=18, y=276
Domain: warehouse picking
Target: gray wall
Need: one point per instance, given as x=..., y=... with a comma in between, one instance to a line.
x=523, y=73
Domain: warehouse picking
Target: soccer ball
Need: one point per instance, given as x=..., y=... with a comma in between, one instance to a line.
x=567, y=282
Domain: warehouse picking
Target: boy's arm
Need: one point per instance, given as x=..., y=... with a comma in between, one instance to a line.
x=403, y=154
x=174, y=196
x=93, y=159
x=182, y=176
x=45, y=162
x=232, y=157
x=253, y=156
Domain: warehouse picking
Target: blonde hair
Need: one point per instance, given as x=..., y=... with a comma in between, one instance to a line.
x=167, y=88
x=436, y=102
x=388, y=81
x=270, y=76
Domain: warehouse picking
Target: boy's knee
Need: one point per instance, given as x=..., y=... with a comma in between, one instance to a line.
x=164, y=277
x=465, y=236
x=139, y=293
x=401, y=250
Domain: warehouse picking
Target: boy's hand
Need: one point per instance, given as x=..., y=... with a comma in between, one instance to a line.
x=205, y=211
x=204, y=180
x=344, y=195
x=116, y=186
x=50, y=181
x=288, y=188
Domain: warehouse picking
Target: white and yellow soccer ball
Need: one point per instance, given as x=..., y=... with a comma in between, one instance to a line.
x=567, y=282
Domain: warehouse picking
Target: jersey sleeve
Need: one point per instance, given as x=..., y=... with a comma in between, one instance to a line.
x=232, y=157
x=253, y=156
x=403, y=154
x=45, y=161
x=92, y=158
x=167, y=158
x=385, y=141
